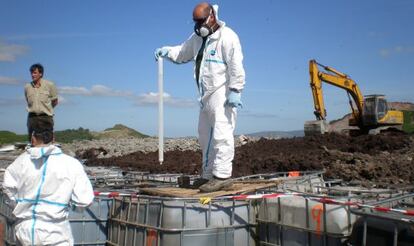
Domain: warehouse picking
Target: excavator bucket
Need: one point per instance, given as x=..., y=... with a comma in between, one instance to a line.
x=316, y=127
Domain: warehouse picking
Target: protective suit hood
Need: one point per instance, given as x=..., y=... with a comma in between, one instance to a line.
x=220, y=22
x=215, y=8
x=40, y=152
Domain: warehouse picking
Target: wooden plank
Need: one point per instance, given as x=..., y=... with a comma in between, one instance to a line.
x=236, y=188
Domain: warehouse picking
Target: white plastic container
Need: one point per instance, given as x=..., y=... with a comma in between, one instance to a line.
x=296, y=220
x=176, y=221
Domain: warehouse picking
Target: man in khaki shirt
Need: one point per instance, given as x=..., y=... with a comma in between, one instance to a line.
x=41, y=98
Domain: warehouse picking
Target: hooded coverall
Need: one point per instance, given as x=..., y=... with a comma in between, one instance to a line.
x=43, y=182
x=221, y=69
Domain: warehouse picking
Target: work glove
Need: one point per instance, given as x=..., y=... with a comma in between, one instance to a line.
x=160, y=52
x=234, y=99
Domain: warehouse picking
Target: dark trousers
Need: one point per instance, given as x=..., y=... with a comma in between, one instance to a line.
x=39, y=122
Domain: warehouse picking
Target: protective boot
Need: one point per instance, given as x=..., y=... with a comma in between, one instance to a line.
x=199, y=182
x=215, y=184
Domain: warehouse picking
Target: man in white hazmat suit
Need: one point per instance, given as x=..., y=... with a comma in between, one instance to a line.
x=43, y=183
x=220, y=78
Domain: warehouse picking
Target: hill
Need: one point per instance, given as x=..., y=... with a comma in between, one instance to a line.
x=70, y=135
x=403, y=106
x=11, y=137
x=118, y=131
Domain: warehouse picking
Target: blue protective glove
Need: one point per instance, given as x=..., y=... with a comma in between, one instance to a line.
x=160, y=52
x=234, y=99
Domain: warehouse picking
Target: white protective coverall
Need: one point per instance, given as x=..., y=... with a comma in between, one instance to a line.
x=221, y=68
x=43, y=182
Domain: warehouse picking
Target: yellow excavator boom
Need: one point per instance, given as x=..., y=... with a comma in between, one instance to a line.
x=338, y=79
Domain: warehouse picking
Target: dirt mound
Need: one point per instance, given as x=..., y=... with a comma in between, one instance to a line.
x=407, y=106
x=380, y=159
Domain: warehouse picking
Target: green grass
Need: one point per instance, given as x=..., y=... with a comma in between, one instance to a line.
x=7, y=137
x=68, y=136
x=408, y=121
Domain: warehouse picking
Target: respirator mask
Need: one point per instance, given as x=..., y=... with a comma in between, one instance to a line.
x=201, y=28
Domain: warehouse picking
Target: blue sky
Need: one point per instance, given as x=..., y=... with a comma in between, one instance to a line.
x=100, y=55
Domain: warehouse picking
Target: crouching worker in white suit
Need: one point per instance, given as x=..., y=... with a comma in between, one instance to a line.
x=43, y=183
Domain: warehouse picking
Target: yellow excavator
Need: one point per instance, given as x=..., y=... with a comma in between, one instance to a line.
x=370, y=113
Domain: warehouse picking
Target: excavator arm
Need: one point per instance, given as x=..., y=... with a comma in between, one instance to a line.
x=334, y=78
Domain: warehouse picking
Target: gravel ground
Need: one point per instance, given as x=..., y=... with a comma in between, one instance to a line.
x=123, y=146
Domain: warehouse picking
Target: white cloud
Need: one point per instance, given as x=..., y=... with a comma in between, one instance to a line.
x=101, y=90
x=69, y=90
x=63, y=100
x=151, y=98
x=147, y=99
x=9, y=52
x=9, y=81
x=95, y=90
x=399, y=49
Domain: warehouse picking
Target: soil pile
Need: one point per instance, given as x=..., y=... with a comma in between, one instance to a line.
x=381, y=159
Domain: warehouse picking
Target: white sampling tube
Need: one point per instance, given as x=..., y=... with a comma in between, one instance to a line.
x=160, y=111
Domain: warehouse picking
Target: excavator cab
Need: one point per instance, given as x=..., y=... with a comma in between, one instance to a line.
x=375, y=108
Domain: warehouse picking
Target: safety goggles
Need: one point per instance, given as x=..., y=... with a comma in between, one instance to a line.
x=201, y=20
